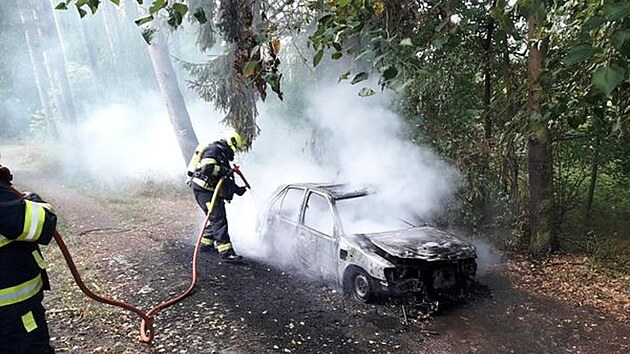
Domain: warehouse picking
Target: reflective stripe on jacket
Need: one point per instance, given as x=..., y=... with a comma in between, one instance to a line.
x=208, y=165
x=21, y=292
x=24, y=225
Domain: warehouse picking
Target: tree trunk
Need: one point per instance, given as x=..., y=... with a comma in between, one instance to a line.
x=35, y=52
x=482, y=202
x=540, y=166
x=130, y=10
x=510, y=163
x=56, y=60
x=167, y=80
x=487, y=92
x=593, y=183
x=92, y=54
x=59, y=30
x=111, y=33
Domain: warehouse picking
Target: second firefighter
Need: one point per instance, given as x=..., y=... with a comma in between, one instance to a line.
x=208, y=166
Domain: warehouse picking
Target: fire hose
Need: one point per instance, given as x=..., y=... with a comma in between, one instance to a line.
x=146, y=326
x=147, y=321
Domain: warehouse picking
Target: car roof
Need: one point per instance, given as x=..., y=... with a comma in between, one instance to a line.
x=337, y=191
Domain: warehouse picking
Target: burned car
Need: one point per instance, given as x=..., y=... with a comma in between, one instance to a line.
x=321, y=228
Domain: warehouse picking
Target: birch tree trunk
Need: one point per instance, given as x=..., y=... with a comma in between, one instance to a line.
x=92, y=54
x=175, y=104
x=540, y=168
x=56, y=61
x=35, y=52
x=111, y=33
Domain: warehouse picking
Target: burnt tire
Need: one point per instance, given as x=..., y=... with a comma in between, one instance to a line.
x=359, y=285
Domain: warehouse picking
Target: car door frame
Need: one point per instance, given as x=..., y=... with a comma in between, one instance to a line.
x=325, y=245
x=289, y=226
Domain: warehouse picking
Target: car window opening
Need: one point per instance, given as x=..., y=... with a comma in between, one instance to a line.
x=318, y=216
x=363, y=214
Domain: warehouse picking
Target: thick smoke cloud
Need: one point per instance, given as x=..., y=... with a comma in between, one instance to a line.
x=347, y=139
x=344, y=139
x=122, y=143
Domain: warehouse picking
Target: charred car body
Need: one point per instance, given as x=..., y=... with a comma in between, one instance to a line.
x=313, y=224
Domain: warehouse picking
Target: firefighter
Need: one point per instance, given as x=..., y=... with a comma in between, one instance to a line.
x=25, y=223
x=208, y=165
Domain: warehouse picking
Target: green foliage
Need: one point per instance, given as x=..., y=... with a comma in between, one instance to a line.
x=614, y=10
x=579, y=54
x=156, y=6
x=362, y=76
x=459, y=68
x=606, y=79
x=218, y=82
x=144, y=20
x=200, y=15
x=366, y=91
x=176, y=14
x=318, y=57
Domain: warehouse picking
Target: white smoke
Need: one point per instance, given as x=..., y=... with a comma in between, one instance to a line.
x=122, y=142
x=488, y=257
x=346, y=139
x=368, y=145
x=359, y=141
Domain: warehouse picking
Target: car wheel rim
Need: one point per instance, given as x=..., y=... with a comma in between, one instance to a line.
x=361, y=286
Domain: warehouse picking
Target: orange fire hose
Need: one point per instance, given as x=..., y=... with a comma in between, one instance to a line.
x=93, y=296
x=146, y=326
x=146, y=321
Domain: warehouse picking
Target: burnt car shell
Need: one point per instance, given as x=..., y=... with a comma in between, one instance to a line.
x=421, y=259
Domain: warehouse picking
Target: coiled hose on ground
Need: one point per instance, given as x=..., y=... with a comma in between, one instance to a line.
x=146, y=326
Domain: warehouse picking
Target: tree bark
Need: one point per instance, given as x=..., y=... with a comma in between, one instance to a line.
x=487, y=92
x=57, y=62
x=592, y=184
x=35, y=52
x=111, y=34
x=510, y=163
x=175, y=104
x=482, y=203
x=92, y=54
x=540, y=166
x=59, y=30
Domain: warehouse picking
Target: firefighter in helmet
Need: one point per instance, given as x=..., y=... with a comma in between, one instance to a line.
x=25, y=223
x=208, y=165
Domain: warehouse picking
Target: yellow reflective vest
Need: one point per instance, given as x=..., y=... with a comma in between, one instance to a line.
x=208, y=164
x=24, y=225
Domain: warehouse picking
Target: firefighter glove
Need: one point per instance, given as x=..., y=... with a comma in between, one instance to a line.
x=240, y=190
x=33, y=197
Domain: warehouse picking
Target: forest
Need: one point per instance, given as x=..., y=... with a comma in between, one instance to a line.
x=528, y=99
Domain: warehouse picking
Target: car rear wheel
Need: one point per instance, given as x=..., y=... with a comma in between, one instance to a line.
x=360, y=285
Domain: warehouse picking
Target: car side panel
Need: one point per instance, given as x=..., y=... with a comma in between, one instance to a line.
x=281, y=228
x=306, y=248
x=327, y=256
x=352, y=254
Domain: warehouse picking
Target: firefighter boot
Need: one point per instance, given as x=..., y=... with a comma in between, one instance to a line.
x=230, y=256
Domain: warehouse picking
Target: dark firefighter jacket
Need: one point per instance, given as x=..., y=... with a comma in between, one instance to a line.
x=24, y=225
x=209, y=164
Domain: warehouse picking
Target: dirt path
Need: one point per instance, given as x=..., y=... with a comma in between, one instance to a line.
x=138, y=248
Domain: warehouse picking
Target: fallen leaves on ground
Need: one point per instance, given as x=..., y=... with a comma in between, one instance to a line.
x=570, y=279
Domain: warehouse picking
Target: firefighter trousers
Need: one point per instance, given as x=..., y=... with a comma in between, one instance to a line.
x=25, y=332
x=218, y=228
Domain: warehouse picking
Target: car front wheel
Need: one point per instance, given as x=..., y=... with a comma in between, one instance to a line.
x=360, y=285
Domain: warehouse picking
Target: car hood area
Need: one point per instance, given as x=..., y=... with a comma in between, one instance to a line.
x=423, y=242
